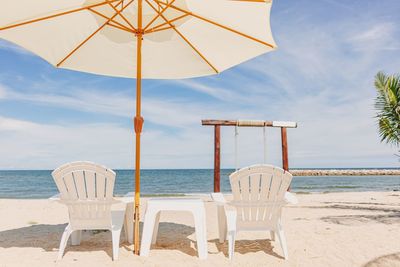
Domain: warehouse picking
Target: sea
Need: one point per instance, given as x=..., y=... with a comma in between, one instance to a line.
x=36, y=184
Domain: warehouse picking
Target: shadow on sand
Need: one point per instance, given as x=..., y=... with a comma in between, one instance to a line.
x=385, y=261
x=387, y=214
x=384, y=213
x=171, y=236
x=47, y=236
x=248, y=246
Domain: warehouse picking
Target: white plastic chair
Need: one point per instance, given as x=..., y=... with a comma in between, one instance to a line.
x=258, y=198
x=86, y=189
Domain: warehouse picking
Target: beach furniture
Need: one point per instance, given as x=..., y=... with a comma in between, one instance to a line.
x=86, y=189
x=151, y=220
x=258, y=197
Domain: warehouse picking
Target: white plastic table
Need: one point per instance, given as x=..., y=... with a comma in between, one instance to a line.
x=152, y=217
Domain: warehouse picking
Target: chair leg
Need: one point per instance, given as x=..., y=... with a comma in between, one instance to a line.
x=201, y=234
x=117, y=217
x=231, y=244
x=64, y=241
x=282, y=240
x=222, y=228
x=272, y=233
x=231, y=217
x=116, y=234
x=147, y=235
x=76, y=237
x=155, y=230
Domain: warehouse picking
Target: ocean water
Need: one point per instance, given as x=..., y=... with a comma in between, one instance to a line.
x=40, y=184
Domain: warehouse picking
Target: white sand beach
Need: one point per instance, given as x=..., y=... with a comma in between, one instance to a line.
x=334, y=229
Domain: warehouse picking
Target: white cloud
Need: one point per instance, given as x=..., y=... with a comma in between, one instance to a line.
x=216, y=92
x=172, y=112
x=87, y=101
x=380, y=36
x=7, y=124
x=30, y=145
x=3, y=91
x=375, y=33
x=339, y=4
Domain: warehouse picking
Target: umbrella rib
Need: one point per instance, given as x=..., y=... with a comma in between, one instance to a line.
x=121, y=28
x=217, y=24
x=117, y=24
x=55, y=15
x=154, y=29
x=90, y=36
x=183, y=37
x=159, y=29
x=119, y=12
x=158, y=15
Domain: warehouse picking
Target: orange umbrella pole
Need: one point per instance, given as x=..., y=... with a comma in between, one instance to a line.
x=138, y=122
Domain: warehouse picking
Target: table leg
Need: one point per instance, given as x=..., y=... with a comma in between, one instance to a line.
x=148, y=227
x=128, y=223
x=76, y=238
x=155, y=230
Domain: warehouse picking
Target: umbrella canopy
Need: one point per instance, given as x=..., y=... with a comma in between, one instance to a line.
x=182, y=38
x=154, y=39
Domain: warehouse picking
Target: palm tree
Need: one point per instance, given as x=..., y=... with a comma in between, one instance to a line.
x=387, y=104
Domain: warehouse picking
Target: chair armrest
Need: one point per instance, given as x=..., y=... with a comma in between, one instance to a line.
x=126, y=200
x=55, y=197
x=291, y=198
x=218, y=198
x=73, y=202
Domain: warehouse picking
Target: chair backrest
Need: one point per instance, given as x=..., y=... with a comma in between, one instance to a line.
x=87, y=189
x=258, y=194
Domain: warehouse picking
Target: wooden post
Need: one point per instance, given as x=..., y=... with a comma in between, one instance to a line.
x=217, y=158
x=285, y=157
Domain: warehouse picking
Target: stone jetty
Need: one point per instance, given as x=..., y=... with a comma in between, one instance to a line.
x=345, y=172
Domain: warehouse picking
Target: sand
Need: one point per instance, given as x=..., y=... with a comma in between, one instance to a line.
x=334, y=229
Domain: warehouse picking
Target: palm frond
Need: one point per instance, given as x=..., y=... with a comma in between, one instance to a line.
x=380, y=81
x=387, y=104
x=388, y=132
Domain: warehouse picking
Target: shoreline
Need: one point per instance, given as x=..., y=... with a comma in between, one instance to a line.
x=228, y=194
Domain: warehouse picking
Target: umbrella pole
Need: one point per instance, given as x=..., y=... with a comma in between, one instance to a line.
x=138, y=123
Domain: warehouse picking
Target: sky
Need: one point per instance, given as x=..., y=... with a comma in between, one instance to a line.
x=321, y=77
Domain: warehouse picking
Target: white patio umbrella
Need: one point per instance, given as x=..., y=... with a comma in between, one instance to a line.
x=152, y=39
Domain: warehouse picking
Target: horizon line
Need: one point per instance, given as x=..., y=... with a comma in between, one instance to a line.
x=172, y=169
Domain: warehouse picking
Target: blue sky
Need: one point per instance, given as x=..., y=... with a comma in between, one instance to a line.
x=321, y=77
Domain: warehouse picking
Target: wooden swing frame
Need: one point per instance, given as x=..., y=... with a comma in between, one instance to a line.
x=217, y=141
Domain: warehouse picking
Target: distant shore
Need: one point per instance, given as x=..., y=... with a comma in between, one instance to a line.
x=345, y=172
